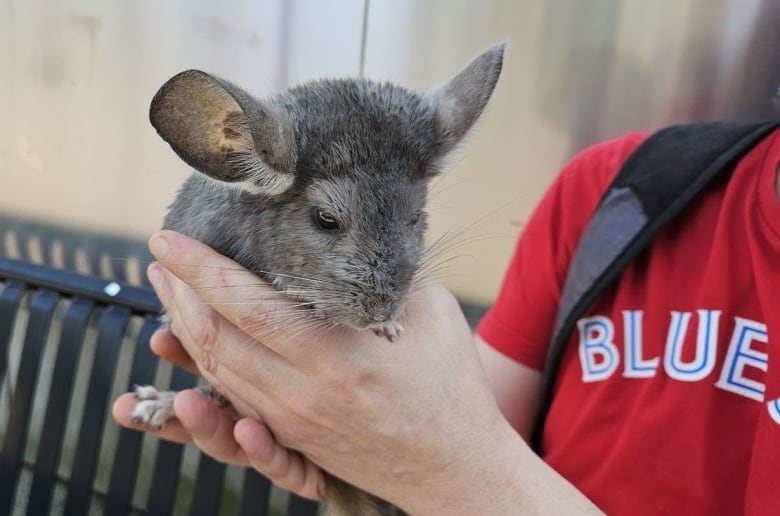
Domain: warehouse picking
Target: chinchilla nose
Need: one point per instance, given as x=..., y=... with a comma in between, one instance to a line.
x=381, y=311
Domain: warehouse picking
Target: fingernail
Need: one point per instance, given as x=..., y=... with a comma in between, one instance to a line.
x=159, y=282
x=159, y=247
x=155, y=275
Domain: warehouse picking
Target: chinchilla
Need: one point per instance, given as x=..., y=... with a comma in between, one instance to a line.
x=320, y=190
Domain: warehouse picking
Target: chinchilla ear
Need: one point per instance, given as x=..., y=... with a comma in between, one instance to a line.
x=461, y=100
x=223, y=132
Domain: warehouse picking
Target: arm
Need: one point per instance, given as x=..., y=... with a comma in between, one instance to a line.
x=516, y=387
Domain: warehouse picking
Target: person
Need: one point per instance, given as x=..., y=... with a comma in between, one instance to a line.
x=667, y=401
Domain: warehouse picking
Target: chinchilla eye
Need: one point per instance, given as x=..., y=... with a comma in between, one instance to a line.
x=415, y=218
x=326, y=220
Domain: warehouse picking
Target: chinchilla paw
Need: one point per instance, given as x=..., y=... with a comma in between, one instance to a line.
x=154, y=408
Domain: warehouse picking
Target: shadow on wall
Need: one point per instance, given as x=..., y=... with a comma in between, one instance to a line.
x=609, y=66
x=750, y=85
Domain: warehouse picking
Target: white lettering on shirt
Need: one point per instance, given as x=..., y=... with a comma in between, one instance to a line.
x=741, y=355
x=706, y=346
x=774, y=410
x=743, y=367
x=634, y=365
x=598, y=354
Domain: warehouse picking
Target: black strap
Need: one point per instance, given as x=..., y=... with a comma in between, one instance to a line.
x=653, y=186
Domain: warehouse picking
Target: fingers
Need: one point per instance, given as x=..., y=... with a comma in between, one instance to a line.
x=165, y=345
x=197, y=421
x=286, y=468
x=237, y=294
x=213, y=275
x=208, y=338
x=210, y=428
x=245, y=443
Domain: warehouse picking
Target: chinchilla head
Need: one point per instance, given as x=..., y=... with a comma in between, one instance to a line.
x=320, y=189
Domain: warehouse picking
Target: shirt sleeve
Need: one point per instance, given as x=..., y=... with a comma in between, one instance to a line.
x=519, y=324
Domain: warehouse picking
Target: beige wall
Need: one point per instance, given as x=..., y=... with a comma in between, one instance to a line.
x=77, y=76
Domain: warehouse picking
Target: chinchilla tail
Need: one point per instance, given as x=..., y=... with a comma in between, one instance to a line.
x=343, y=499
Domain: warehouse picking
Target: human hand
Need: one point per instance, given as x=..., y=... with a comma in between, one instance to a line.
x=219, y=433
x=412, y=421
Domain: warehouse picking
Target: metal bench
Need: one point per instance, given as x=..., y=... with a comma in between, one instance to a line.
x=70, y=342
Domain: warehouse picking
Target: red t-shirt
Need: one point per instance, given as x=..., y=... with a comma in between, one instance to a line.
x=668, y=399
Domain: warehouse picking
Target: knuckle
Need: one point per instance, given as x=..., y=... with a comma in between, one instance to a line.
x=204, y=330
x=283, y=441
x=279, y=468
x=287, y=482
x=223, y=277
x=310, y=423
x=204, y=333
x=267, y=468
x=208, y=364
x=305, y=414
x=349, y=379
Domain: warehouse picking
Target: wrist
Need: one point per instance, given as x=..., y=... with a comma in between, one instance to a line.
x=500, y=475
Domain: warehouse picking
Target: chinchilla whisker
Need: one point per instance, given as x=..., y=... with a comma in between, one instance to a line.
x=290, y=314
x=262, y=293
x=358, y=283
x=444, y=263
x=293, y=328
x=440, y=272
x=473, y=225
x=261, y=329
x=130, y=259
x=257, y=272
x=300, y=331
x=436, y=270
x=451, y=238
x=446, y=187
x=203, y=266
x=419, y=285
x=305, y=294
x=444, y=174
x=442, y=254
x=437, y=277
x=238, y=303
x=299, y=289
x=436, y=244
x=414, y=289
x=291, y=276
x=306, y=304
x=295, y=295
x=450, y=243
x=290, y=320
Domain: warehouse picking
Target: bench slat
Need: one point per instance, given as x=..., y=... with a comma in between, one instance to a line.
x=128, y=450
x=10, y=300
x=74, y=327
x=255, y=494
x=207, y=494
x=112, y=329
x=42, y=306
x=302, y=507
x=165, y=479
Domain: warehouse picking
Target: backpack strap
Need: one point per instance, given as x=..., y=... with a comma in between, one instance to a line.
x=653, y=186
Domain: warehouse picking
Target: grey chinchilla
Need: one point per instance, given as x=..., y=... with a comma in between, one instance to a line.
x=320, y=190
